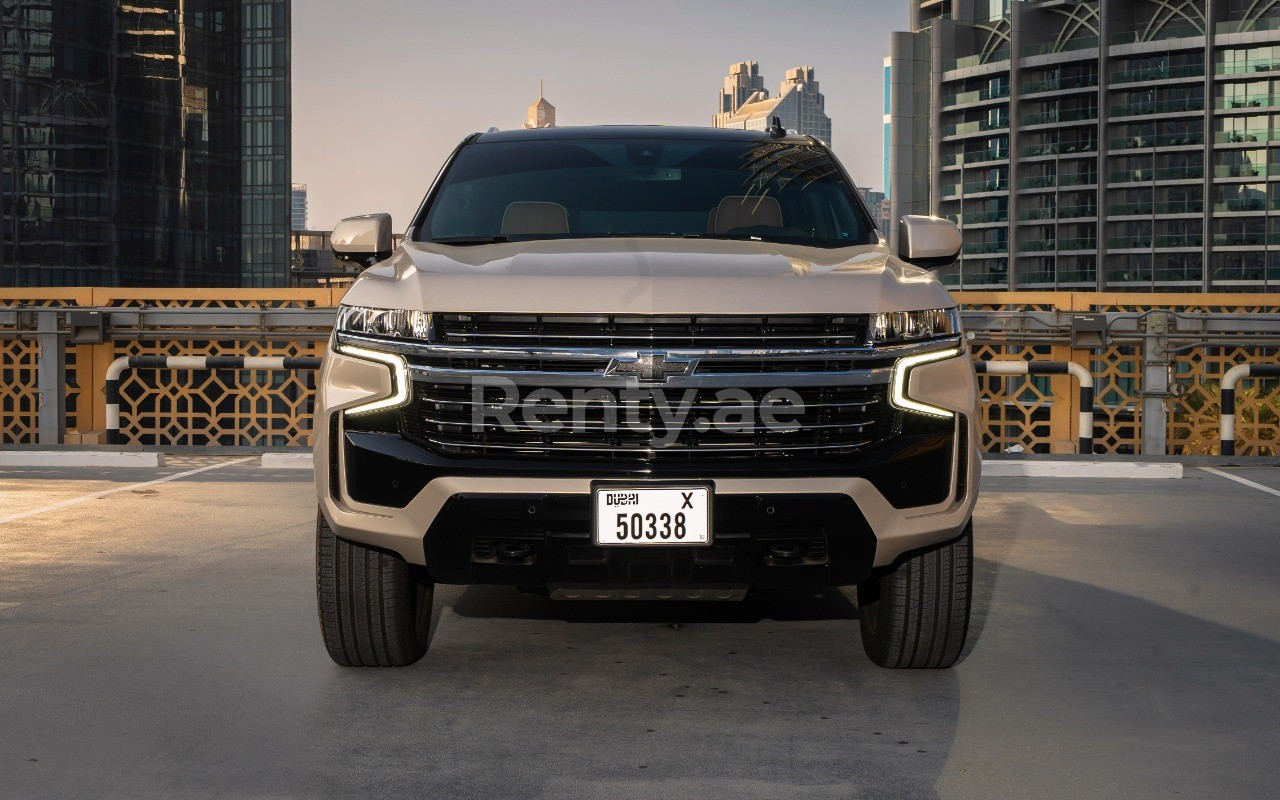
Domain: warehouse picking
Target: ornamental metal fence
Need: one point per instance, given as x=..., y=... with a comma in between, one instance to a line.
x=1157, y=361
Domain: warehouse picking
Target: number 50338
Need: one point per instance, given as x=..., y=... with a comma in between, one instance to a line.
x=652, y=526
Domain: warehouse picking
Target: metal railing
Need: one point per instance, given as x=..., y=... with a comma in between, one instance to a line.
x=1157, y=364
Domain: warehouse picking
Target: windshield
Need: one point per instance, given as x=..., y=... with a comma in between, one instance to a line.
x=772, y=191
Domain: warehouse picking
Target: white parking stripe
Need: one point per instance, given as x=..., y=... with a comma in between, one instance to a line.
x=73, y=501
x=1238, y=479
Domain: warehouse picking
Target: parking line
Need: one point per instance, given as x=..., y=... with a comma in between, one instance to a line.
x=73, y=501
x=1246, y=482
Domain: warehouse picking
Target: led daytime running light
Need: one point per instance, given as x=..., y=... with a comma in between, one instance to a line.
x=902, y=371
x=399, y=379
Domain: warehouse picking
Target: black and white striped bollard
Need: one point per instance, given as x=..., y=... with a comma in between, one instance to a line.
x=1052, y=368
x=112, y=386
x=1233, y=376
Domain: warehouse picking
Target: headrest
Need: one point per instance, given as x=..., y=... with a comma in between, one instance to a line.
x=746, y=212
x=525, y=217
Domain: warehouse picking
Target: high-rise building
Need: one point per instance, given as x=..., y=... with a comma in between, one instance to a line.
x=887, y=127
x=541, y=114
x=1120, y=144
x=743, y=85
x=876, y=205
x=298, y=207
x=145, y=144
x=799, y=106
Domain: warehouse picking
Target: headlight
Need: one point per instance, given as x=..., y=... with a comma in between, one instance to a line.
x=896, y=327
x=393, y=323
x=902, y=373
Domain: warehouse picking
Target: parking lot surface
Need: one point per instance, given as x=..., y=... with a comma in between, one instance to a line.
x=160, y=640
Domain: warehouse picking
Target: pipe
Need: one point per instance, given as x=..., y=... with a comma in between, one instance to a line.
x=1227, y=420
x=1082, y=376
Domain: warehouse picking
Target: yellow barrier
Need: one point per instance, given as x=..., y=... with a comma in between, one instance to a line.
x=257, y=408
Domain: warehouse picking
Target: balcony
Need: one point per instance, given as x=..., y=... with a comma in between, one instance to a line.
x=975, y=126
x=1245, y=101
x=1056, y=115
x=1130, y=176
x=1247, y=66
x=1162, y=140
x=1038, y=182
x=1038, y=246
x=1245, y=136
x=1136, y=242
x=1176, y=240
x=1143, y=109
x=1187, y=173
x=1242, y=171
x=981, y=217
x=1146, y=209
x=1060, y=84
x=985, y=248
x=1245, y=239
x=1080, y=179
x=975, y=61
x=1058, y=148
x=1162, y=73
x=1181, y=207
x=975, y=96
x=1131, y=209
x=1080, y=243
x=976, y=157
x=1061, y=212
x=977, y=187
x=1077, y=212
x=1244, y=204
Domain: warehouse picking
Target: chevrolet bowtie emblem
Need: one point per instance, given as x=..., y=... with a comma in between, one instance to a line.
x=652, y=367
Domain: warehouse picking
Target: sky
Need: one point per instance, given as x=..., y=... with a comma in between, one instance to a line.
x=383, y=90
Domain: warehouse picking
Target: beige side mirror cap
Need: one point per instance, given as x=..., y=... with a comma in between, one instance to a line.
x=928, y=242
x=364, y=240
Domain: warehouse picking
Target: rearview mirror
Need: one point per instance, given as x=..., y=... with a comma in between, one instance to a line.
x=362, y=240
x=928, y=242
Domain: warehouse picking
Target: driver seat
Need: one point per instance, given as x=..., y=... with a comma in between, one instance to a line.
x=746, y=212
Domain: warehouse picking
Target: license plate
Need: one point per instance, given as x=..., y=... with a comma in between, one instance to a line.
x=658, y=516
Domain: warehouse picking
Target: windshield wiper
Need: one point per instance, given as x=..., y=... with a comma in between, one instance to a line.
x=468, y=240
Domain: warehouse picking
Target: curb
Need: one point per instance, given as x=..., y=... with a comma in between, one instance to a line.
x=80, y=458
x=287, y=460
x=1081, y=469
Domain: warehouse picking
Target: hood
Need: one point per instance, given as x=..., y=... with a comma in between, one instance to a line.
x=646, y=276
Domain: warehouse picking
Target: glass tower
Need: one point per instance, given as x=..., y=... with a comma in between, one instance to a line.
x=145, y=144
x=1112, y=144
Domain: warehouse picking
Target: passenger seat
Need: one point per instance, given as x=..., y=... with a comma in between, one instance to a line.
x=745, y=212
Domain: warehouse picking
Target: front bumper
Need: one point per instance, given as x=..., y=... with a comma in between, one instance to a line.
x=471, y=520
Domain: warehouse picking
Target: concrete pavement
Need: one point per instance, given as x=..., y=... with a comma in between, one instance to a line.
x=161, y=641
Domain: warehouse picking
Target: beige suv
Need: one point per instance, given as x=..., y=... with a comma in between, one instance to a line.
x=645, y=364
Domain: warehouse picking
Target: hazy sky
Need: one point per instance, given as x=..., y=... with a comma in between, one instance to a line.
x=384, y=89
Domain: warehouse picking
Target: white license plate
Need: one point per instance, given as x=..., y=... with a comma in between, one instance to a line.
x=660, y=516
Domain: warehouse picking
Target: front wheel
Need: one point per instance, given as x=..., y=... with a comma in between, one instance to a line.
x=373, y=611
x=917, y=615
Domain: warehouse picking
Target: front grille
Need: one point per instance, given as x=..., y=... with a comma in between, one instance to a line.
x=618, y=330
x=836, y=421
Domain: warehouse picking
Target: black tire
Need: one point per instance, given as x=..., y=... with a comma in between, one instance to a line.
x=917, y=615
x=373, y=611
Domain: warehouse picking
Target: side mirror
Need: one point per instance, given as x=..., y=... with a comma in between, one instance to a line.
x=362, y=240
x=928, y=242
